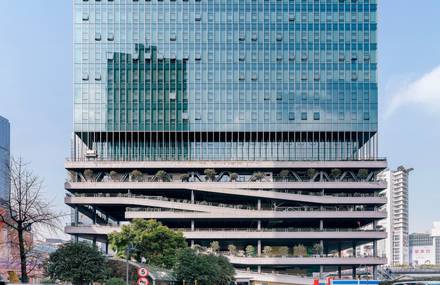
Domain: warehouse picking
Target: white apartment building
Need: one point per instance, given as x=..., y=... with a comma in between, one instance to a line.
x=396, y=246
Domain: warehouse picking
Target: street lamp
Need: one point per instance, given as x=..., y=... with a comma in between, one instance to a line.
x=129, y=249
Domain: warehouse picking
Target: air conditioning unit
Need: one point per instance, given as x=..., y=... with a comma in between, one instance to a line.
x=91, y=153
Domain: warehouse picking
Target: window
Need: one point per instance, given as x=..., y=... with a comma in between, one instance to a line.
x=304, y=116
x=316, y=116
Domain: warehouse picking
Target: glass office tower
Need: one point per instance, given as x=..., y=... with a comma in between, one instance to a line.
x=4, y=158
x=272, y=94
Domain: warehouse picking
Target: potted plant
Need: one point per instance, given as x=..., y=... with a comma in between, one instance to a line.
x=284, y=174
x=233, y=176
x=250, y=250
x=184, y=177
x=259, y=176
x=136, y=175
x=362, y=173
x=284, y=251
x=317, y=249
x=267, y=250
x=88, y=175
x=114, y=176
x=232, y=249
x=335, y=173
x=311, y=172
x=214, y=246
x=161, y=175
x=210, y=174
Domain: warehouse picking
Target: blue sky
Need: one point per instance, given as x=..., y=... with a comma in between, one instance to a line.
x=36, y=92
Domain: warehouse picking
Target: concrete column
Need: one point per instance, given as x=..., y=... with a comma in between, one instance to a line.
x=354, y=249
x=94, y=240
x=259, y=204
x=106, y=247
x=76, y=222
x=375, y=248
x=192, y=242
x=321, y=243
x=375, y=272
x=321, y=225
x=76, y=238
x=259, y=225
x=192, y=225
x=192, y=196
x=339, y=250
x=339, y=272
x=94, y=216
x=259, y=268
x=259, y=247
x=321, y=270
x=354, y=272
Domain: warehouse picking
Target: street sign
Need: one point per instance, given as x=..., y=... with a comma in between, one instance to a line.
x=142, y=272
x=143, y=281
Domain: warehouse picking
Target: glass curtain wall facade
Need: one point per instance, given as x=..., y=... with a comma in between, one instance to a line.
x=225, y=80
x=4, y=157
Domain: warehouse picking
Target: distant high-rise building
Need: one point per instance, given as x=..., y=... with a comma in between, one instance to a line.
x=396, y=246
x=250, y=123
x=4, y=157
x=424, y=248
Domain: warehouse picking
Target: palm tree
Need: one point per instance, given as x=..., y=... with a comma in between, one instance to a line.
x=233, y=176
x=210, y=174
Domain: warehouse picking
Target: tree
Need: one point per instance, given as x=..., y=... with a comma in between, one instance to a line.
x=184, y=177
x=362, y=173
x=136, y=175
x=259, y=176
x=311, y=172
x=77, y=262
x=161, y=175
x=250, y=250
x=214, y=246
x=317, y=248
x=114, y=176
x=205, y=269
x=299, y=250
x=284, y=251
x=232, y=249
x=25, y=209
x=233, y=176
x=267, y=250
x=88, y=175
x=150, y=240
x=210, y=173
x=284, y=174
x=335, y=173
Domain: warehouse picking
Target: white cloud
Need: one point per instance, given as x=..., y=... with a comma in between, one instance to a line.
x=424, y=92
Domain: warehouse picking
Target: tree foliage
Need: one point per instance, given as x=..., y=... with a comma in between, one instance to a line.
x=78, y=262
x=115, y=281
x=210, y=173
x=150, y=240
x=206, y=269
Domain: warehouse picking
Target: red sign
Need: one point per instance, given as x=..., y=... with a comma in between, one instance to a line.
x=142, y=272
x=143, y=281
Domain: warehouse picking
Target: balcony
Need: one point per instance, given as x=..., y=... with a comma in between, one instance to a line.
x=315, y=260
x=248, y=233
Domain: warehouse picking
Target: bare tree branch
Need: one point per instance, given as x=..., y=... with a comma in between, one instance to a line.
x=25, y=209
